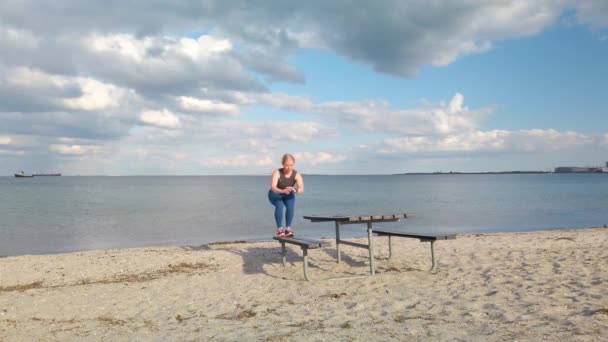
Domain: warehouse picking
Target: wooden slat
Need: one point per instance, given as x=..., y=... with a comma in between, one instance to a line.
x=357, y=218
x=309, y=243
x=312, y=241
x=414, y=236
x=315, y=218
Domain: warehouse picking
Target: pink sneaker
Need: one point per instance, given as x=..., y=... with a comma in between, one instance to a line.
x=289, y=232
x=280, y=232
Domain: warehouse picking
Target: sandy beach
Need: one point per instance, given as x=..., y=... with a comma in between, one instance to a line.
x=548, y=285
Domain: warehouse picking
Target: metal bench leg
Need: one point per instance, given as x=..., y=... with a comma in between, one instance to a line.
x=338, y=241
x=390, y=248
x=433, y=267
x=372, y=268
x=283, y=253
x=305, y=253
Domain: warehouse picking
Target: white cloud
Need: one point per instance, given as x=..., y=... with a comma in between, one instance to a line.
x=191, y=104
x=139, y=50
x=167, y=64
x=163, y=119
x=282, y=101
x=243, y=160
x=240, y=160
x=490, y=141
x=394, y=37
x=17, y=38
x=300, y=132
x=252, y=142
x=315, y=158
x=77, y=93
x=32, y=78
x=100, y=78
x=605, y=140
x=265, y=161
x=203, y=47
x=593, y=12
x=257, y=131
x=378, y=116
x=123, y=45
x=96, y=96
x=11, y=152
x=77, y=150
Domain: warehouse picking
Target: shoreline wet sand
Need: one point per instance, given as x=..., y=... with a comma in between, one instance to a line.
x=493, y=287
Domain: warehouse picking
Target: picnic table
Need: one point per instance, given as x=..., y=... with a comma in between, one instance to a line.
x=368, y=220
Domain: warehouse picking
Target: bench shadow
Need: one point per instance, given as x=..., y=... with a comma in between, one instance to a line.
x=345, y=258
x=256, y=258
x=387, y=264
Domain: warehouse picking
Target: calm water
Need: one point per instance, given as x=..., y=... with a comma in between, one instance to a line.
x=59, y=214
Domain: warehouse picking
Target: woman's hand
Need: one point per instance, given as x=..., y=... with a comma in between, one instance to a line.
x=290, y=189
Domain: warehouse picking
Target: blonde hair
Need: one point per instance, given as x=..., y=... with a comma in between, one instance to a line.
x=286, y=157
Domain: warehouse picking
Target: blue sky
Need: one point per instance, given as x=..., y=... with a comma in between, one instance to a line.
x=542, y=81
x=386, y=87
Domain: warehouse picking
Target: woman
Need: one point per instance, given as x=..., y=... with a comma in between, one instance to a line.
x=284, y=184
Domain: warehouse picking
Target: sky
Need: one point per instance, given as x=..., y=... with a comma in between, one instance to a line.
x=218, y=87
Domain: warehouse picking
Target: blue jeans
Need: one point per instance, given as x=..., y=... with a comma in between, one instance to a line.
x=281, y=201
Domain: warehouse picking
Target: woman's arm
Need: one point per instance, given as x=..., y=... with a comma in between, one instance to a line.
x=274, y=179
x=300, y=183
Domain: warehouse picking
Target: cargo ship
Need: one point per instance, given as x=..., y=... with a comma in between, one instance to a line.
x=23, y=175
x=29, y=175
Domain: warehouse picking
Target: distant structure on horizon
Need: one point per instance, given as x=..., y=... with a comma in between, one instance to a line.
x=578, y=169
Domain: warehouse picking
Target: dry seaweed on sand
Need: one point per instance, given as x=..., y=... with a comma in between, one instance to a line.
x=21, y=288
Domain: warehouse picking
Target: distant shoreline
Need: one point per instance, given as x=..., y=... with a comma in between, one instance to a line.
x=475, y=173
x=495, y=173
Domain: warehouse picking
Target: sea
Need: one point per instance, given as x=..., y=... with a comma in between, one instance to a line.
x=43, y=215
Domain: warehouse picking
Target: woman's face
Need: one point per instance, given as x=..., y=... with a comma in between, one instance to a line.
x=288, y=165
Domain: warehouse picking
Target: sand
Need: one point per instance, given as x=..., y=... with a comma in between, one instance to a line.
x=549, y=285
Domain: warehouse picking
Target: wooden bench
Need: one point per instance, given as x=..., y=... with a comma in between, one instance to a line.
x=422, y=238
x=306, y=244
